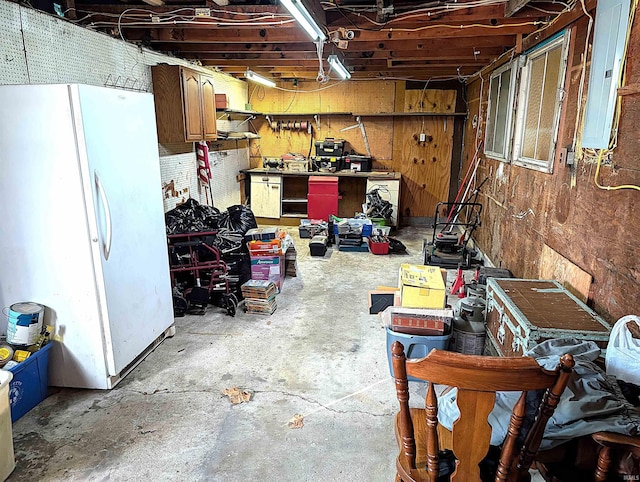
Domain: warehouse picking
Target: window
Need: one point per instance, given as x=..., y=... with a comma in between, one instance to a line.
x=497, y=141
x=539, y=100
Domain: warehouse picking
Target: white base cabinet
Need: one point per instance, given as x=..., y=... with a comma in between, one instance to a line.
x=389, y=191
x=266, y=195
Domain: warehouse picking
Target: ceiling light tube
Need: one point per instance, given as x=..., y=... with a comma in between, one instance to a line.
x=337, y=66
x=252, y=76
x=304, y=18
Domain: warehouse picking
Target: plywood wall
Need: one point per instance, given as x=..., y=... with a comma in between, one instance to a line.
x=393, y=140
x=527, y=212
x=274, y=143
x=430, y=100
x=311, y=97
x=425, y=166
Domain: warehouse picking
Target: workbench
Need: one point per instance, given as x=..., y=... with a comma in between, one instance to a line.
x=282, y=195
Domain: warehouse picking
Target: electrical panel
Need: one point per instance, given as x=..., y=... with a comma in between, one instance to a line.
x=609, y=36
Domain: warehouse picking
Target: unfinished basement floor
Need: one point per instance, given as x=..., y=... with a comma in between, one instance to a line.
x=320, y=355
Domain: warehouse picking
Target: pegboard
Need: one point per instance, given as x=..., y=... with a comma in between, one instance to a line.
x=57, y=51
x=13, y=64
x=225, y=166
x=38, y=48
x=178, y=173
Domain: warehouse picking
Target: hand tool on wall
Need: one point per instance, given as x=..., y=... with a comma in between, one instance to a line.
x=360, y=124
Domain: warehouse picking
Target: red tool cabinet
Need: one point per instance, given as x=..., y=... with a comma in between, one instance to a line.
x=323, y=197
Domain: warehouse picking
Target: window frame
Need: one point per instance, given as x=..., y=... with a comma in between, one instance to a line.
x=509, y=124
x=561, y=41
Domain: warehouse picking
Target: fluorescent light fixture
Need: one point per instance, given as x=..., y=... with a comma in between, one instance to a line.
x=304, y=18
x=253, y=77
x=337, y=66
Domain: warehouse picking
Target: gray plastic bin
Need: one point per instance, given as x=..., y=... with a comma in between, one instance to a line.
x=415, y=346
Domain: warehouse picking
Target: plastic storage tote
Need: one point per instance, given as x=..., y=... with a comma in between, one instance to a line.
x=415, y=346
x=30, y=384
x=7, y=460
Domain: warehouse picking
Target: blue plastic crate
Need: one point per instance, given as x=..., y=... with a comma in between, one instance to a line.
x=415, y=346
x=30, y=384
x=367, y=226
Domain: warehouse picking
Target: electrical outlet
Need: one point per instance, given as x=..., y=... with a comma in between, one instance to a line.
x=423, y=137
x=562, y=155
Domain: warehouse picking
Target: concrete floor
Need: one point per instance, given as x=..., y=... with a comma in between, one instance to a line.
x=320, y=355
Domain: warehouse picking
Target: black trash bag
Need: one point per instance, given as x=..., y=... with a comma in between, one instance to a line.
x=396, y=246
x=238, y=218
x=228, y=241
x=191, y=217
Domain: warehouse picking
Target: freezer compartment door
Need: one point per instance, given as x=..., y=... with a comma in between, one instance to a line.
x=121, y=175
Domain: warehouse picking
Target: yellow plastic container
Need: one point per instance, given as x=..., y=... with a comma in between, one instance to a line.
x=7, y=460
x=422, y=286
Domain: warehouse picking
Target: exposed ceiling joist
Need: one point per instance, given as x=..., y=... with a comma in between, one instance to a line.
x=375, y=38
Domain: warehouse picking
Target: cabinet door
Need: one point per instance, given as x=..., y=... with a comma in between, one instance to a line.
x=208, y=108
x=265, y=196
x=192, y=105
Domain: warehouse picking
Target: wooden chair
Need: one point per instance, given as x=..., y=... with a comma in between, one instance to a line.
x=610, y=442
x=477, y=379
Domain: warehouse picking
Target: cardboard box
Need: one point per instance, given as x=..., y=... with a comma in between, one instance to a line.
x=296, y=165
x=221, y=101
x=263, y=234
x=270, y=268
x=418, y=321
x=265, y=248
x=421, y=286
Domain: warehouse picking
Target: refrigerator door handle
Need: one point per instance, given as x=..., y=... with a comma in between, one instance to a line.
x=106, y=247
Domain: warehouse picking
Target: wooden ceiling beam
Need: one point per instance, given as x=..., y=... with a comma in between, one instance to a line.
x=278, y=35
x=486, y=27
x=452, y=56
x=469, y=14
x=230, y=10
x=563, y=21
x=496, y=42
x=409, y=72
x=333, y=16
x=266, y=63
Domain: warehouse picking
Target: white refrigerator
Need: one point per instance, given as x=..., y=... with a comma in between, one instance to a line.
x=82, y=225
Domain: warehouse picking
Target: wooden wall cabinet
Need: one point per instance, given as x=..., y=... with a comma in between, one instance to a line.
x=185, y=104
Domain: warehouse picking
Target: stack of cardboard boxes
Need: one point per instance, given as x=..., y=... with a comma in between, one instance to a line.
x=418, y=318
x=267, y=248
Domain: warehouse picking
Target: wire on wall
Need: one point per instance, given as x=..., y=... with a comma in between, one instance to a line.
x=579, y=117
x=616, y=120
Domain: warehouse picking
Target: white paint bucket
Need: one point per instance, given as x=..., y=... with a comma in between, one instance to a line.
x=25, y=323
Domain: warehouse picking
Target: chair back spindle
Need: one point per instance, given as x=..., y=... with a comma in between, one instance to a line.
x=477, y=378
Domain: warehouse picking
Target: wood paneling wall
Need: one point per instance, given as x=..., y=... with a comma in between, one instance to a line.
x=393, y=141
x=597, y=231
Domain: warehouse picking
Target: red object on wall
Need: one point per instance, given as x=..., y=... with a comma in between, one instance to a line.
x=322, y=197
x=221, y=101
